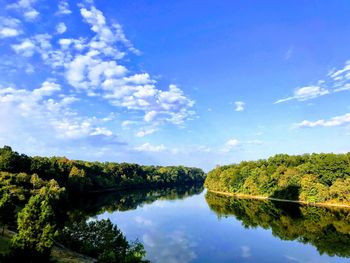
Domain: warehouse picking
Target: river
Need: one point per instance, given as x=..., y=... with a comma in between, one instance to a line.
x=192, y=225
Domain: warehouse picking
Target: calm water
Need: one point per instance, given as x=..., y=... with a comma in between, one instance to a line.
x=195, y=226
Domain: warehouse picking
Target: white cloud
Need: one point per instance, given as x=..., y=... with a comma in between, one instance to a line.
x=46, y=109
x=31, y=14
x=342, y=87
x=9, y=27
x=230, y=145
x=94, y=66
x=147, y=147
x=8, y=32
x=105, y=35
x=341, y=74
x=26, y=8
x=239, y=105
x=127, y=123
x=145, y=132
x=335, y=121
x=26, y=48
x=63, y=8
x=61, y=28
x=306, y=93
x=337, y=80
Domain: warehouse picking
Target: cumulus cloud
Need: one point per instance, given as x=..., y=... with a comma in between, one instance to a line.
x=305, y=93
x=93, y=65
x=9, y=27
x=61, y=28
x=335, y=121
x=63, y=8
x=26, y=48
x=26, y=8
x=239, y=106
x=46, y=107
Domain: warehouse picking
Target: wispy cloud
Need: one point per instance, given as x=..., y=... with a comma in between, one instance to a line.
x=305, y=93
x=145, y=132
x=230, y=145
x=337, y=80
x=335, y=121
x=289, y=53
x=147, y=147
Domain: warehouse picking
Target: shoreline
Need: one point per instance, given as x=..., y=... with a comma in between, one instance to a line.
x=259, y=197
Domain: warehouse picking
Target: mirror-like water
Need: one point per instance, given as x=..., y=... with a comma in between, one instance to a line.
x=195, y=226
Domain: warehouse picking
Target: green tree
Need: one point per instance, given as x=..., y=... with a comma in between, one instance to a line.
x=35, y=229
x=102, y=240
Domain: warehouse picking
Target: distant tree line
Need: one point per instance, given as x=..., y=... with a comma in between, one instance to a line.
x=82, y=176
x=310, y=178
x=327, y=229
x=36, y=191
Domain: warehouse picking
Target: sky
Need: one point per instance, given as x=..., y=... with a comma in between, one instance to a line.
x=195, y=83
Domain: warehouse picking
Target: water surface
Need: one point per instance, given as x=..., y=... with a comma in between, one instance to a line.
x=205, y=227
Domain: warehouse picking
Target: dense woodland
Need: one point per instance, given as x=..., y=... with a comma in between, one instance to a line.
x=327, y=229
x=36, y=192
x=314, y=178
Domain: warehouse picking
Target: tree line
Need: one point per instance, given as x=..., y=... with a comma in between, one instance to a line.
x=310, y=178
x=35, y=193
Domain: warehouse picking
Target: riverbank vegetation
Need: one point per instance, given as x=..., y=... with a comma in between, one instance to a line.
x=327, y=229
x=36, y=193
x=315, y=178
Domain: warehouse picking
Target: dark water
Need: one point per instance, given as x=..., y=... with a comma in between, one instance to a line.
x=190, y=225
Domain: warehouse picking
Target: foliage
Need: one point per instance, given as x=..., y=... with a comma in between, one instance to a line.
x=102, y=240
x=310, y=178
x=82, y=177
x=35, y=229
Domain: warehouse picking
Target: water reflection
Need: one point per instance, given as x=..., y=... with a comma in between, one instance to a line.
x=188, y=225
x=327, y=229
x=162, y=222
x=88, y=206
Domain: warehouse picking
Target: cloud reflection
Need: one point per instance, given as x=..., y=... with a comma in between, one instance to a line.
x=174, y=247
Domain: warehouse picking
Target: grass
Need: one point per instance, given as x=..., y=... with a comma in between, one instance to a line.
x=64, y=255
x=4, y=244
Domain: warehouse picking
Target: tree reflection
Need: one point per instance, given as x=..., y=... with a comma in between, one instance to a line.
x=93, y=205
x=328, y=229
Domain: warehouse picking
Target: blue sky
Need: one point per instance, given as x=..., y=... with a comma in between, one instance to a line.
x=198, y=83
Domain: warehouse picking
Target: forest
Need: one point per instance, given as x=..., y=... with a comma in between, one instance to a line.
x=36, y=197
x=327, y=229
x=311, y=178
